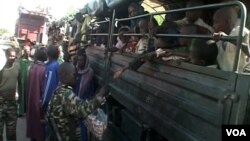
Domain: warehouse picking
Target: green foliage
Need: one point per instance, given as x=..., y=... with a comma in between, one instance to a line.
x=3, y=31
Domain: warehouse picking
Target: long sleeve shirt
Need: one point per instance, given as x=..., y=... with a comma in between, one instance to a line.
x=51, y=82
x=65, y=107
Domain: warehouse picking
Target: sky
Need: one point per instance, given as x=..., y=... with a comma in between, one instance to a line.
x=59, y=8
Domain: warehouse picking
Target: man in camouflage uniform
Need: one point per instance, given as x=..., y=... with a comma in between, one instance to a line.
x=8, y=107
x=65, y=107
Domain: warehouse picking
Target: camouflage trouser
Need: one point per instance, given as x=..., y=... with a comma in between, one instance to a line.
x=8, y=116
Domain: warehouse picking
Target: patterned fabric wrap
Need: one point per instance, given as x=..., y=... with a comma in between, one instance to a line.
x=8, y=116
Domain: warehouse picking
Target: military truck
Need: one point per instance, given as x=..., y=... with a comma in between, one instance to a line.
x=174, y=101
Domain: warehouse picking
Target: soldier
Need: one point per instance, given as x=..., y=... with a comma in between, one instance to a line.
x=65, y=107
x=8, y=106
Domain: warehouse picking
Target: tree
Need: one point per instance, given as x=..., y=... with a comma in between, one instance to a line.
x=3, y=31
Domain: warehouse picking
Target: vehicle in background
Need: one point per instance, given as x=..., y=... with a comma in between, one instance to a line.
x=32, y=25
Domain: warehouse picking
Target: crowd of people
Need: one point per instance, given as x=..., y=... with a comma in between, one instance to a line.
x=219, y=54
x=54, y=96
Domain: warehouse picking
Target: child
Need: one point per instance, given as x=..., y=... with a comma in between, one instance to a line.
x=203, y=52
x=65, y=107
x=225, y=24
x=122, y=41
x=182, y=51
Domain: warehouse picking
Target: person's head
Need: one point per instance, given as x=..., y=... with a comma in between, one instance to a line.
x=81, y=59
x=190, y=29
x=236, y=8
x=192, y=16
x=134, y=9
x=53, y=52
x=10, y=55
x=224, y=19
x=143, y=25
x=26, y=51
x=203, y=52
x=165, y=42
x=66, y=74
x=124, y=30
x=40, y=54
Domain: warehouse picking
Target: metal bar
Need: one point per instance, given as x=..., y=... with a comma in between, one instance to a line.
x=240, y=35
x=224, y=38
x=150, y=29
x=184, y=10
x=97, y=34
x=110, y=44
x=111, y=32
x=101, y=22
x=131, y=34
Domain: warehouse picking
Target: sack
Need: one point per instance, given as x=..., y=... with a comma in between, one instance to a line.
x=97, y=123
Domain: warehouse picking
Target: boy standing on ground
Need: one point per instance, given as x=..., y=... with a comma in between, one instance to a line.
x=65, y=107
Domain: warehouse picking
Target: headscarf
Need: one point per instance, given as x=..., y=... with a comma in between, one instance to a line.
x=85, y=89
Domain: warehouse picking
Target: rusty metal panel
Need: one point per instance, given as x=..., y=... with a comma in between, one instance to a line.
x=182, y=102
x=240, y=100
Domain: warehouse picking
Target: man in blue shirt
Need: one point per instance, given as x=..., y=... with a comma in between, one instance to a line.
x=51, y=77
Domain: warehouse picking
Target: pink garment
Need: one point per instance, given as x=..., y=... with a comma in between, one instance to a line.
x=36, y=76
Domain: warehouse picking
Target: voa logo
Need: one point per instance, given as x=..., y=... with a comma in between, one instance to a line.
x=236, y=132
